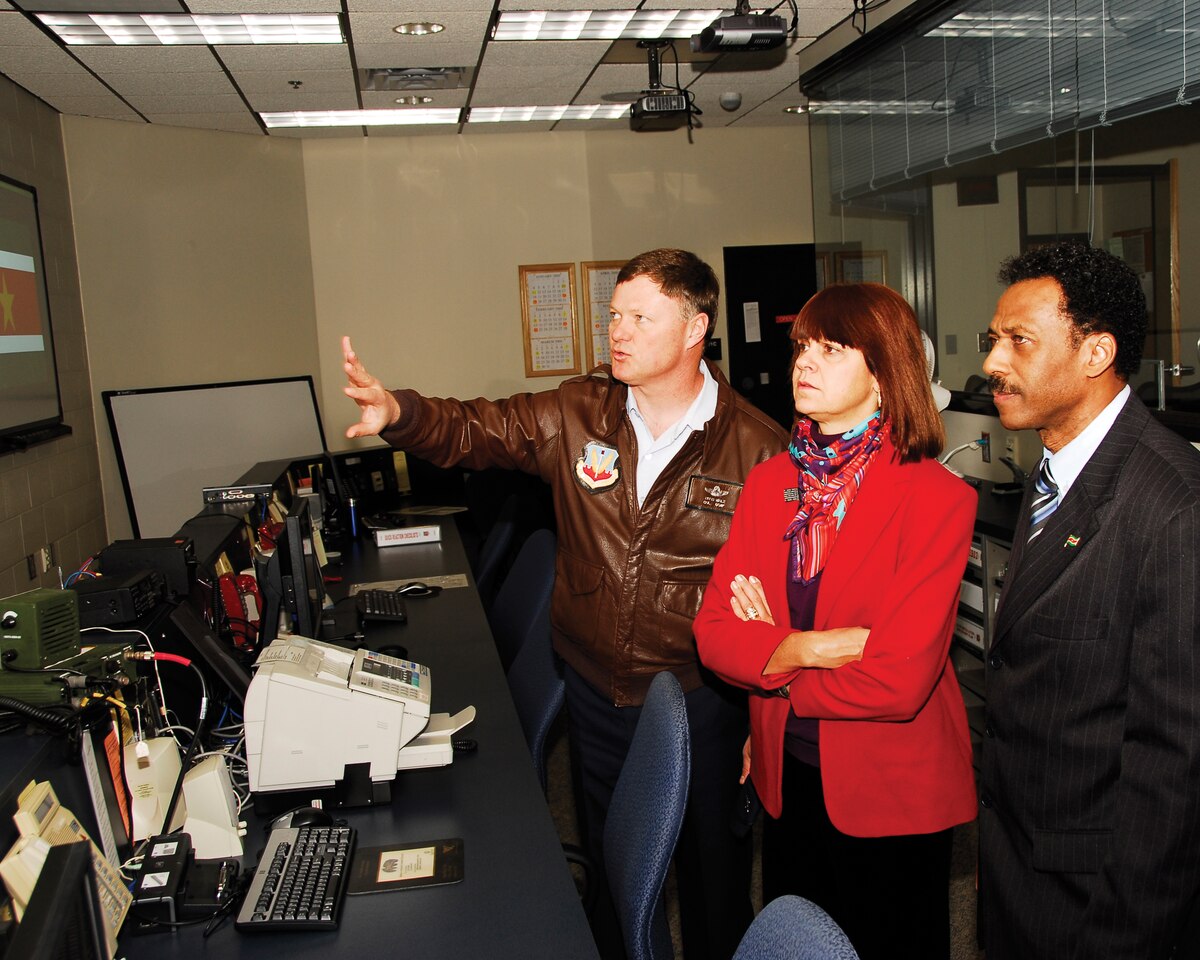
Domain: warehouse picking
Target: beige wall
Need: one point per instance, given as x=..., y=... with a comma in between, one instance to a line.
x=416, y=241
x=49, y=494
x=193, y=263
x=208, y=256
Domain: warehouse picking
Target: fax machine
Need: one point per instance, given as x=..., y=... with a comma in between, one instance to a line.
x=314, y=711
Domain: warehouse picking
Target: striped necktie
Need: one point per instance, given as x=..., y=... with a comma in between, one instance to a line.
x=1044, y=502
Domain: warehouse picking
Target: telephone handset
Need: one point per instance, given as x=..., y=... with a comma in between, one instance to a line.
x=43, y=822
x=243, y=607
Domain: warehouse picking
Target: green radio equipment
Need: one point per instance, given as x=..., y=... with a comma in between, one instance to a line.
x=41, y=659
x=39, y=628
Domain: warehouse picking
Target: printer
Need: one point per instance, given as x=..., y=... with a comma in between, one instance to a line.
x=315, y=713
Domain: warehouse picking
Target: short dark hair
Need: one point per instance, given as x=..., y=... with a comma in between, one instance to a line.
x=1101, y=294
x=683, y=277
x=878, y=321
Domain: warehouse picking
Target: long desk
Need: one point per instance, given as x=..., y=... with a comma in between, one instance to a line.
x=518, y=899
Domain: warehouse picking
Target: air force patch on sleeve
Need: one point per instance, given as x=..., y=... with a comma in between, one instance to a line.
x=707, y=493
x=597, y=469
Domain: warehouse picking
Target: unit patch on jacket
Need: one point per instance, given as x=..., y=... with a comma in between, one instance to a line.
x=597, y=469
x=708, y=493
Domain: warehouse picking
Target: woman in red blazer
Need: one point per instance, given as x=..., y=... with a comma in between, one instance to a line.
x=833, y=603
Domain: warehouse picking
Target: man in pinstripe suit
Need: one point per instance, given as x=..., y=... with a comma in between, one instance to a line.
x=1090, y=783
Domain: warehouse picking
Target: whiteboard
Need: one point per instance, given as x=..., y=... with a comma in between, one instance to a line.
x=171, y=442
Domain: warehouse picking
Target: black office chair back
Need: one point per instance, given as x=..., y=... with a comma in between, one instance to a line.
x=792, y=928
x=493, y=552
x=536, y=682
x=644, y=819
x=522, y=603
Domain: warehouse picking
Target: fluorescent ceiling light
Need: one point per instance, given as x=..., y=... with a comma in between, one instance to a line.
x=361, y=118
x=875, y=107
x=580, y=111
x=181, y=28
x=602, y=24
x=1023, y=26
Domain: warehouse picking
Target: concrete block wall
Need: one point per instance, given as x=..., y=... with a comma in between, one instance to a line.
x=50, y=494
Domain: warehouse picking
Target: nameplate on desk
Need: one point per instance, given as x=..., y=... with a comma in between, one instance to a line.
x=422, y=533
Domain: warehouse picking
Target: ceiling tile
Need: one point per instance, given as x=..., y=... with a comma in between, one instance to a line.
x=462, y=26
x=273, y=82
x=34, y=59
x=303, y=99
x=522, y=53
x=104, y=105
x=155, y=59
x=138, y=84
x=16, y=30
x=45, y=85
x=490, y=76
x=386, y=100
x=434, y=55
x=232, y=122
x=613, y=79
x=184, y=103
x=317, y=56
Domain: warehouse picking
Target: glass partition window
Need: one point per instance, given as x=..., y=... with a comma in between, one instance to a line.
x=966, y=137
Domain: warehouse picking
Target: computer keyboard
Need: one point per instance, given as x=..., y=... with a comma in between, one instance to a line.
x=300, y=881
x=377, y=604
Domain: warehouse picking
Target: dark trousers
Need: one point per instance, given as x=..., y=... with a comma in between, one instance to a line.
x=890, y=894
x=712, y=865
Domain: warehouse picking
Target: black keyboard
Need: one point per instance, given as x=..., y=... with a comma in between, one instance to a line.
x=300, y=881
x=376, y=604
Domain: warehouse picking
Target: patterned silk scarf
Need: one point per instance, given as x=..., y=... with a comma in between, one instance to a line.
x=829, y=480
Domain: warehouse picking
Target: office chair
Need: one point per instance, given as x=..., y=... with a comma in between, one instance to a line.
x=523, y=601
x=494, y=550
x=644, y=819
x=536, y=683
x=792, y=928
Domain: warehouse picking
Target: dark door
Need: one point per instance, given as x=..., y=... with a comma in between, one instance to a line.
x=770, y=283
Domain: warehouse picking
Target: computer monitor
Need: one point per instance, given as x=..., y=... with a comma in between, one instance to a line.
x=63, y=920
x=290, y=580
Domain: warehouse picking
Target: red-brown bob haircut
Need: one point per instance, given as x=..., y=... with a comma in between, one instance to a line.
x=876, y=320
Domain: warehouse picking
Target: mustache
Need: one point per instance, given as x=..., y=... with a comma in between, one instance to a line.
x=1000, y=385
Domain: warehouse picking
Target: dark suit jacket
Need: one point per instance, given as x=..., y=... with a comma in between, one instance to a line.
x=1090, y=782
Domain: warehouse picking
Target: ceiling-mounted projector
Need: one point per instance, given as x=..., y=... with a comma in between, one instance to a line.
x=752, y=31
x=660, y=110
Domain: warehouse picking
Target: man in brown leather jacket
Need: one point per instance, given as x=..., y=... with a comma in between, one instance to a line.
x=646, y=460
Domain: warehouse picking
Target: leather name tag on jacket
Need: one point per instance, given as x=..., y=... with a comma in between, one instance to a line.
x=708, y=493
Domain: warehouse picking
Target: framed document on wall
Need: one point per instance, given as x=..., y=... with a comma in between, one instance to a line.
x=866, y=266
x=599, y=278
x=548, y=319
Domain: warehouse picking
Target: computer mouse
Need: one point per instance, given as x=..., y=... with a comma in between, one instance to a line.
x=308, y=817
x=418, y=589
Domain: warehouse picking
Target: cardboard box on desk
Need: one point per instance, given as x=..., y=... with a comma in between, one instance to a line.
x=424, y=533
